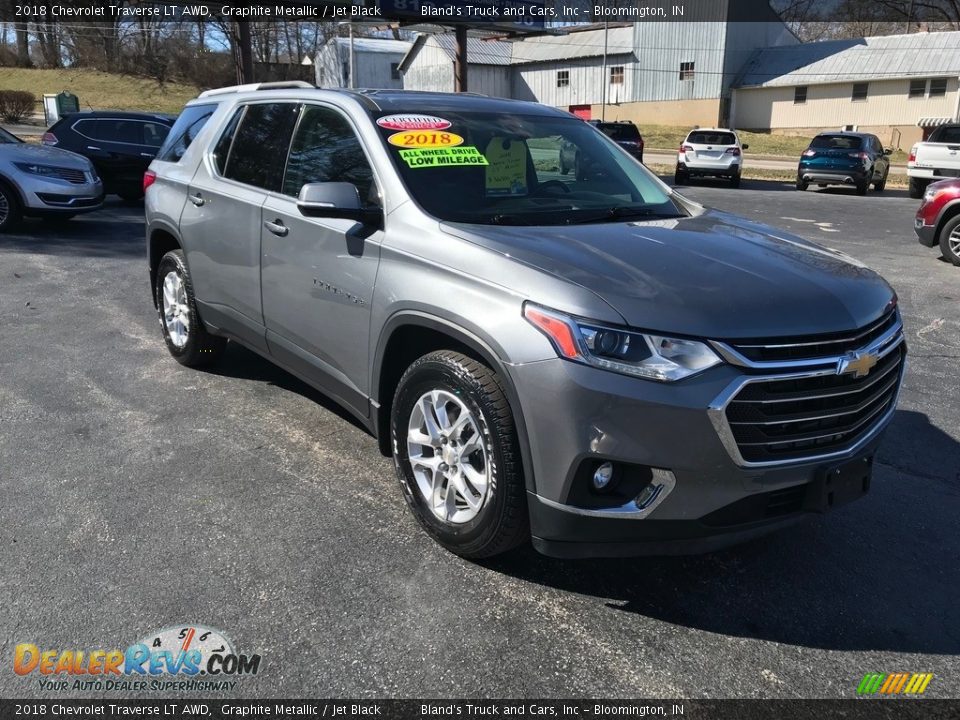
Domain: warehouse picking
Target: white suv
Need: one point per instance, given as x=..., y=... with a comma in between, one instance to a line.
x=714, y=152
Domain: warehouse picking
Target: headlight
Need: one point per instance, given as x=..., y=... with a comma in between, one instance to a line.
x=34, y=169
x=654, y=357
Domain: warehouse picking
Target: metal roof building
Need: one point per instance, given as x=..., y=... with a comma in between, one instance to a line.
x=376, y=62
x=897, y=87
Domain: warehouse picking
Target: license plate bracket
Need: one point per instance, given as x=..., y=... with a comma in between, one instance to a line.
x=840, y=484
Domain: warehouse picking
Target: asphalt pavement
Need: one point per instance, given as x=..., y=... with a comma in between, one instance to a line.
x=136, y=494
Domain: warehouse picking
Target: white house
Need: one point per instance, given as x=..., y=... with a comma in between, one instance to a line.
x=897, y=87
x=376, y=63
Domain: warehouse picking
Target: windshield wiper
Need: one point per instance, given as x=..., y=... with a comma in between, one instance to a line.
x=508, y=220
x=618, y=212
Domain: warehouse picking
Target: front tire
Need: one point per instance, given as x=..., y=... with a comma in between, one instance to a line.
x=10, y=212
x=950, y=240
x=916, y=188
x=186, y=336
x=457, y=457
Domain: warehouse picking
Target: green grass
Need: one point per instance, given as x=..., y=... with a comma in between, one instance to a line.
x=100, y=90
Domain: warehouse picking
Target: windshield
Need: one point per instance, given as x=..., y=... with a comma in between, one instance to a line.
x=836, y=142
x=7, y=137
x=494, y=168
x=620, y=131
x=701, y=137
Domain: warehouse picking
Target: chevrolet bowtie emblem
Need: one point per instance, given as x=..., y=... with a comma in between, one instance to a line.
x=857, y=364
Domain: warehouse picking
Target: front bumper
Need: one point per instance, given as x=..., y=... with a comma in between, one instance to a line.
x=575, y=414
x=50, y=197
x=926, y=234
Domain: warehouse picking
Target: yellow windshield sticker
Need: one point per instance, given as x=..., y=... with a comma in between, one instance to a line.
x=507, y=170
x=422, y=138
x=443, y=157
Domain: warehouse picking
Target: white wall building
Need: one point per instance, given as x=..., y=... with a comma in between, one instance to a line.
x=897, y=87
x=376, y=63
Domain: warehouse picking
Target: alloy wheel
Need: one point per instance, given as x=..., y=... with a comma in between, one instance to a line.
x=448, y=456
x=176, y=311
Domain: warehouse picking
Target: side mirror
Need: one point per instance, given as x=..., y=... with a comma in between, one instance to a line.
x=888, y=151
x=335, y=200
x=745, y=146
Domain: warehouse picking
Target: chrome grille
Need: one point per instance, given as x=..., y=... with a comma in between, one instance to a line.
x=77, y=177
x=818, y=346
x=782, y=419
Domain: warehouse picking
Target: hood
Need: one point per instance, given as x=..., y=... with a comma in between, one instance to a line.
x=28, y=152
x=712, y=276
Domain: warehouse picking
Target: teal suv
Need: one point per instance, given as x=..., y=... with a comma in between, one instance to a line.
x=844, y=158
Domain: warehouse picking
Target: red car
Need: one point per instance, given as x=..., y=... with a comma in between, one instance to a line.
x=938, y=219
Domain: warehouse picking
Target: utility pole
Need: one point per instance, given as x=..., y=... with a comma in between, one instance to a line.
x=460, y=63
x=351, y=85
x=244, y=53
x=606, y=80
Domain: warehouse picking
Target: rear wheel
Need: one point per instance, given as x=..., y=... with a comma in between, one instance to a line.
x=564, y=169
x=10, y=213
x=862, y=187
x=882, y=182
x=186, y=337
x=735, y=181
x=916, y=188
x=131, y=196
x=950, y=240
x=680, y=177
x=456, y=454
x=801, y=183
x=579, y=171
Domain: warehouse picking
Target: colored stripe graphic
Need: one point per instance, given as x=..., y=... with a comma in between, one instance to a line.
x=894, y=683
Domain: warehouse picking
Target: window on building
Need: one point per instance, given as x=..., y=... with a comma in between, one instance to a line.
x=394, y=71
x=686, y=71
x=859, y=92
x=616, y=75
x=563, y=78
x=917, y=88
x=800, y=95
x=938, y=87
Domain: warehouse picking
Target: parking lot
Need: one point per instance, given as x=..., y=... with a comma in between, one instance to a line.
x=139, y=495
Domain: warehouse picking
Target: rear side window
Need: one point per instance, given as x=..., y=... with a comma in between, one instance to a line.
x=620, y=131
x=836, y=142
x=946, y=134
x=221, y=153
x=325, y=149
x=260, y=145
x=711, y=138
x=184, y=130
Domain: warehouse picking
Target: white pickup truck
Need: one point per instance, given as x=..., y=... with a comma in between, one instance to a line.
x=937, y=158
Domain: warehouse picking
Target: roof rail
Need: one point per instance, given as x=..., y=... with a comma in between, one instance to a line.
x=281, y=85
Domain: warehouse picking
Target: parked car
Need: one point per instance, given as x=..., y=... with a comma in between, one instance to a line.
x=44, y=182
x=601, y=365
x=938, y=218
x=937, y=158
x=844, y=158
x=624, y=133
x=710, y=152
x=121, y=145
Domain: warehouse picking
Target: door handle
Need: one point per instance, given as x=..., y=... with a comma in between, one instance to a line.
x=92, y=147
x=149, y=155
x=276, y=227
x=197, y=199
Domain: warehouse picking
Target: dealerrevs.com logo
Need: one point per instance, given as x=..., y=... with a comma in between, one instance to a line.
x=188, y=657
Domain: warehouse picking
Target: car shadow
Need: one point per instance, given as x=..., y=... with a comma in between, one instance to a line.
x=117, y=230
x=242, y=364
x=879, y=574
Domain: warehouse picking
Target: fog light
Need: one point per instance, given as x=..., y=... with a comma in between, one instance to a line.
x=602, y=476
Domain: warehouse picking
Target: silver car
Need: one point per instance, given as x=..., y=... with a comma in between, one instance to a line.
x=41, y=181
x=597, y=364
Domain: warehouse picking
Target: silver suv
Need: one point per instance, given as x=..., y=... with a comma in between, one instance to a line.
x=598, y=363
